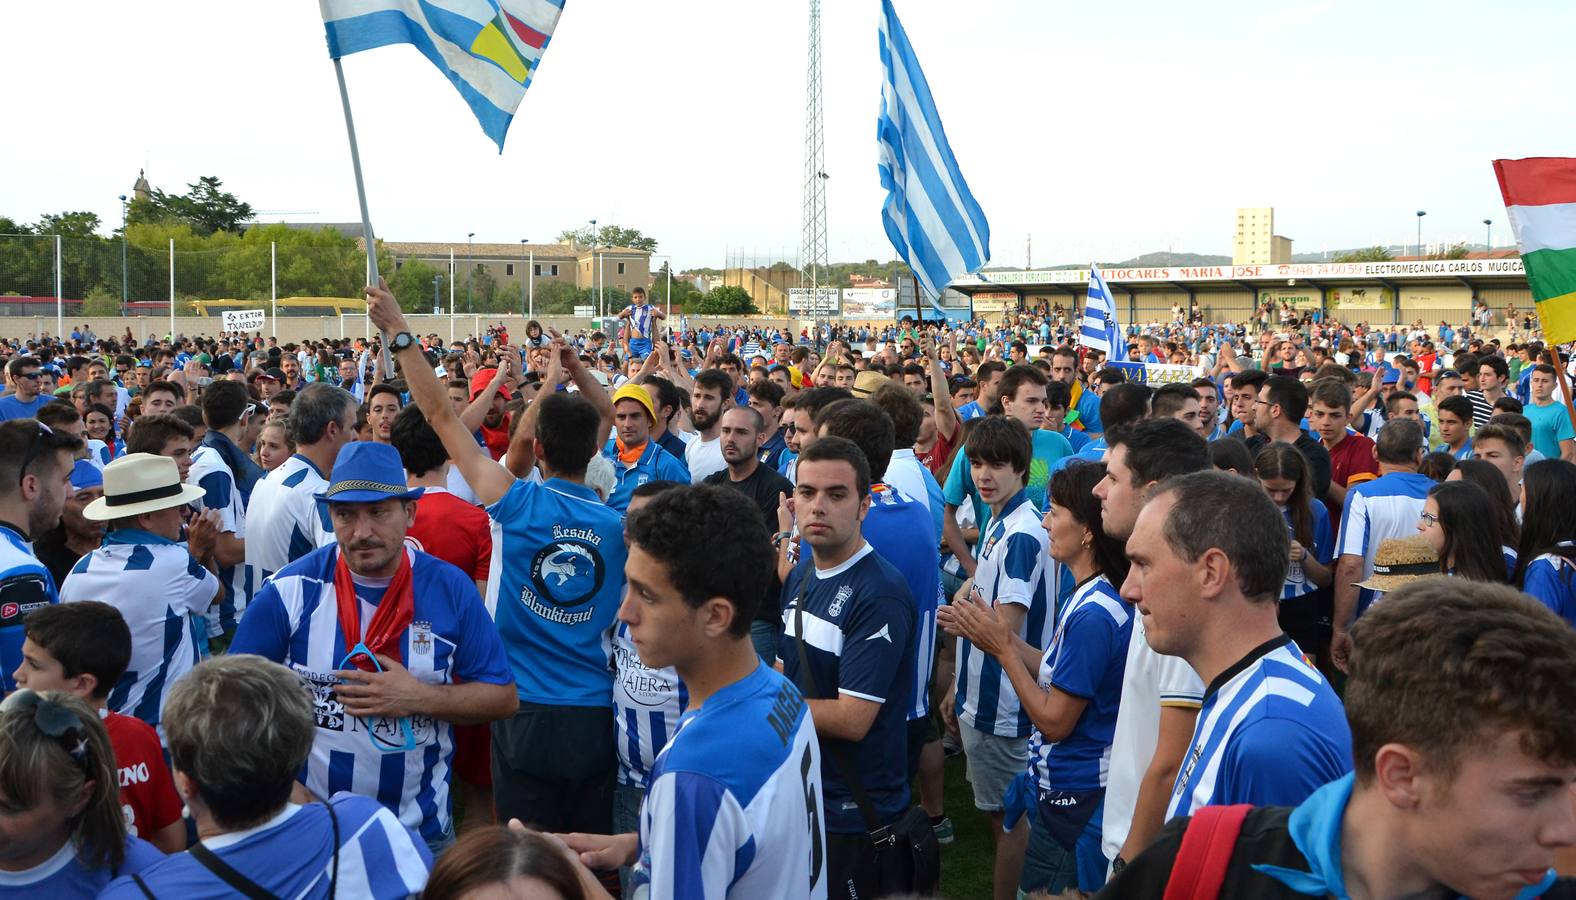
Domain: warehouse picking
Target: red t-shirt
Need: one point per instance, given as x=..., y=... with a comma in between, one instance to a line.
x=147, y=792
x=936, y=459
x=496, y=440
x=454, y=531
x=1354, y=455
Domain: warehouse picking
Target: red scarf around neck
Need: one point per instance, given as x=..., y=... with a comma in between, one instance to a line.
x=393, y=616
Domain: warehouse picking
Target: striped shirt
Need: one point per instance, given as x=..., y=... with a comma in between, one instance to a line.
x=221, y=495
x=1386, y=507
x=1015, y=567
x=284, y=521
x=294, y=620
x=1323, y=550
x=25, y=585
x=640, y=322
x=1086, y=658
x=293, y=855
x=1270, y=733
x=735, y=809
x=646, y=707
x=173, y=593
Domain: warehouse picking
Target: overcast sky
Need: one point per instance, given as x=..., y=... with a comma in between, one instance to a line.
x=1104, y=129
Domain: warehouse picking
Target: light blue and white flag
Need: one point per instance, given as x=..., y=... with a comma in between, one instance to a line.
x=1100, y=329
x=929, y=215
x=490, y=49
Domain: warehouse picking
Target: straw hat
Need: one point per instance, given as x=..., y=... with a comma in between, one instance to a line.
x=868, y=382
x=1401, y=561
x=140, y=483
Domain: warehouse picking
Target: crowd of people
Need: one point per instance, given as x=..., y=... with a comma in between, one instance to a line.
x=1278, y=610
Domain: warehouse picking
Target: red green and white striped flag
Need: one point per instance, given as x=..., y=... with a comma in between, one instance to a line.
x=1540, y=200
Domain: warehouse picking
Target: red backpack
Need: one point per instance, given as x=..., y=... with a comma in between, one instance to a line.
x=1200, y=867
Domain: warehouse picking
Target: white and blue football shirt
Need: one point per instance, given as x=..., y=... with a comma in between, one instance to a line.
x=640, y=322
x=223, y=496
x=284, y=521
x=893, y=526
x=556, y=581
x=63, y=875
x=25, y=585
x=163, y=594
x=1386, y=507
x=294, y=620
x=1015, y=567
x=734, y=805
x=1270, y=733
x=1549, y=580
x=1086, y=658
x=647, y=703
x=292, y=855
x=859, y=624
x=1323, y=550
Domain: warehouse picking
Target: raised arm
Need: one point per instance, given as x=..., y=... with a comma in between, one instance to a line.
x=487, y=478
x=940, y=394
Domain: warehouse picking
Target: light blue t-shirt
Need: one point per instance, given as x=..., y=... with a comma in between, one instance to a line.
x=1550, y=425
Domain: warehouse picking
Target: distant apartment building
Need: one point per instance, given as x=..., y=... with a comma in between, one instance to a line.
x=1256, y=243
x=567, y=262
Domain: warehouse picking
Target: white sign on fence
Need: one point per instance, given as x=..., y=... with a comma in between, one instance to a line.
x=244, y=319
x=585, y=312
x=822, y=303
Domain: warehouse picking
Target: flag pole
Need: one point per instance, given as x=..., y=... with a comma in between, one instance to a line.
x=1564, y=381
x=361, y=195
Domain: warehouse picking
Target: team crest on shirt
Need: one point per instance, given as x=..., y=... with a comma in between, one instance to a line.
x=838, y=599
x=421, y=638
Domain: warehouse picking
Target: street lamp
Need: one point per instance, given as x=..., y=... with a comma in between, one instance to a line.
x=469, y=269
x=437, y=303
x=123, y=291
x=1420, y=214
x=1488, y=236
x=530, y=267
x=595, y=238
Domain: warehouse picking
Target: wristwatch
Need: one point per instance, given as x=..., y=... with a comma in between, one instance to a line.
x=401, y=341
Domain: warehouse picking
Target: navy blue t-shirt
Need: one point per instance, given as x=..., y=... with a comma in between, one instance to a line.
x=859, y=638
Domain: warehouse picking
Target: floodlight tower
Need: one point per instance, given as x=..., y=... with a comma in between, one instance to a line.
x=812, y=247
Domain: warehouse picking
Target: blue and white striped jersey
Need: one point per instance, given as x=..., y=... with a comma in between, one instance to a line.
x=1015, y=567
x=221, y=495
x=1386, y=507
x=1270, y=733
x=640, y=321
x=646, y=707
x=1086, y=658
x=284, y=521
x=1323, y=550
x=734, y=808
x=294, y=620
x=25, y=585
x=893, y=526
x=164, y=610
x=292, y=855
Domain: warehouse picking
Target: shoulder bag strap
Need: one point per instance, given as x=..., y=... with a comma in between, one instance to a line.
x=1199, y=870
x=845, y=767
x=143, y=886
x=225, y=873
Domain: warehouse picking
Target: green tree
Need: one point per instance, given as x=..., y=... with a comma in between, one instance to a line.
x=727, y=300
x=555, y=298
x=205, y=206
x=101, y=302
x=1454, y=251
x=684, y=292
x=412, y=285
x=68, y=224
x=1367, y=254
x=610, y=236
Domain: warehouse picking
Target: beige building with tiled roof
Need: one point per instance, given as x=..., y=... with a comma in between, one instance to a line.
x=570, y=263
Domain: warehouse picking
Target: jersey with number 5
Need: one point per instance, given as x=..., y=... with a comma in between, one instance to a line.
x=734, y=803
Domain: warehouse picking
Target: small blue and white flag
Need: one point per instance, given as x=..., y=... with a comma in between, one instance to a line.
x=489, y=49
x=1100, y=329
x=929, y=215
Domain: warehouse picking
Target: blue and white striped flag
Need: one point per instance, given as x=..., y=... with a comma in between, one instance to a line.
x=1100, y=329
x=490, y=49
x=929, y=215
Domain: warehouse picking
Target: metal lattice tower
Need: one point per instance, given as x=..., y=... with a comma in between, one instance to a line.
x=812, y=248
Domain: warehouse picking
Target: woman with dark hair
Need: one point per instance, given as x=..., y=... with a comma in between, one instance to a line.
x=504, y=862
x=99, y=425
x=1230, y=454
x=1488, y=477
x=1546, y=557
x=1437, y=465
x=1070, y=691
x=1287, y=478
x=62, y=832
x=1459, y=522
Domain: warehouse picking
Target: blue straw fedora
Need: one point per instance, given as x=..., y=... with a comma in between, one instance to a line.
x=367, y=472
